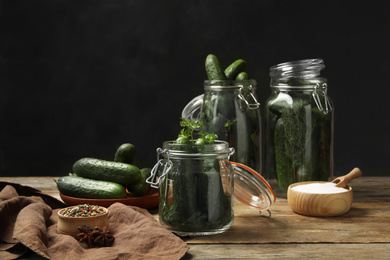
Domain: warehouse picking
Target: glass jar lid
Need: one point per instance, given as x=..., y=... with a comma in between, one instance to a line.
x=252, y=189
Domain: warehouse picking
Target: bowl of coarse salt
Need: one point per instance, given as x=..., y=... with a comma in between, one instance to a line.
x=323, y=199
x=319, y=199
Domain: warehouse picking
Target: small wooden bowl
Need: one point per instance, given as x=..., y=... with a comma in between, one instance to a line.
x=68, y=225
x=319, y=204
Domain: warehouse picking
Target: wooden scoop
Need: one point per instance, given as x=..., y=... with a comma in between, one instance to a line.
x=343, y=181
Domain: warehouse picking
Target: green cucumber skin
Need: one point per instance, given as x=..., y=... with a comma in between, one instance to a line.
x=141, y=187
x=234, y=69
x=242, y=76
x=80, y=187
x=126, y=153
x=284, y=166
x=97, y=169
x=213, y=69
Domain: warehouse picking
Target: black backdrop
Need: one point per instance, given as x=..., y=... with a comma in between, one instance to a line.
x=79, y=78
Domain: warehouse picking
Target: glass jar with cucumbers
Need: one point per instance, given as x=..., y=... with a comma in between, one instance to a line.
x=299, y=124
x=229, y=109
x=215, y=156
x=197, y=180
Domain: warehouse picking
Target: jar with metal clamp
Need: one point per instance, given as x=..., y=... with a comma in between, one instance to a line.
x=299, y=124
x=229, y=109
x=196, y=186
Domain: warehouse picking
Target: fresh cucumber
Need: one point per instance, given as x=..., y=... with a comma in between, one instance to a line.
x=141, y=187
x=213, y=69
x=79, y=187
x=122, y=173
x=126, y=153
x=242, y=76
x=235, y=68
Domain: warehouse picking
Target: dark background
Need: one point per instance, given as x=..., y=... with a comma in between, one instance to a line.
x=79, y=78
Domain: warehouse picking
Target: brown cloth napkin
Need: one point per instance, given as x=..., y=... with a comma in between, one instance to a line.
x=29, y=223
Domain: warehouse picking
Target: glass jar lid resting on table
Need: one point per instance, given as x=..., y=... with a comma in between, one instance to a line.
x=252, y=189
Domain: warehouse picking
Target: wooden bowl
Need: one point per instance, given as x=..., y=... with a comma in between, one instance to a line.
x=68, y=225
x=319, y=204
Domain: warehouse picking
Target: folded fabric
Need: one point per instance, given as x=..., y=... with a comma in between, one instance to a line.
x=29, y=223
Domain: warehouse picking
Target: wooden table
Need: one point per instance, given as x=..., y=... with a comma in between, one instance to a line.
x=362, y=233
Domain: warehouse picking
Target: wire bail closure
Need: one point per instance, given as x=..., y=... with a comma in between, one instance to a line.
x=160, y=162
x=231, y=152
x=321, y=90
x=265, y=215
x=254, y=105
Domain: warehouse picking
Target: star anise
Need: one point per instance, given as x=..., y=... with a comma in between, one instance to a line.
x=96, y=237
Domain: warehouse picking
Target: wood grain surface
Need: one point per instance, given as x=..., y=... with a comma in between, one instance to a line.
x=361, y=233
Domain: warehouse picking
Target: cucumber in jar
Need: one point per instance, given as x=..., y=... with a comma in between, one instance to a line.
x=198, y=198
x=297, y=141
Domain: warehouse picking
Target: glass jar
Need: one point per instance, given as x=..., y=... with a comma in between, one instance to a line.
x=229, y=109
x=195, y=187
x=299, y=124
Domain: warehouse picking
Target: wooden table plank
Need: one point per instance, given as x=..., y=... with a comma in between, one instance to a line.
x=363, y=232
x=364, y=223
x=44, y=184
x=368, y=221
x=288, y=251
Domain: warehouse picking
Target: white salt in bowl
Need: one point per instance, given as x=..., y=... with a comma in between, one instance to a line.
x=319, y=199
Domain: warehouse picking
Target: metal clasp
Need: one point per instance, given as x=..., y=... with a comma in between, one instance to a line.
x=231, y=152
x=265, y=215
x=160, y=162
x=254, y=105
x=321, y=90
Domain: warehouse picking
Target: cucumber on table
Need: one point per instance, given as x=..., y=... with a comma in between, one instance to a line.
x=141, y=187
x=97, y=169
x=126, y=153
x=80, y=187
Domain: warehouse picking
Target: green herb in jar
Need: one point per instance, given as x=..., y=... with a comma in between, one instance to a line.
x=199, y=201
x=301, y=141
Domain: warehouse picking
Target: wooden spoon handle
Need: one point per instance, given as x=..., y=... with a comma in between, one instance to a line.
x=355, y=173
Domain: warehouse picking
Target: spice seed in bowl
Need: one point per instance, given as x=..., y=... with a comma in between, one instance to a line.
x=70, y=218
x=85, y=210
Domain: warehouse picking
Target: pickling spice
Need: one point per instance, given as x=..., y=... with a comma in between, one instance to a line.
x=84, y=210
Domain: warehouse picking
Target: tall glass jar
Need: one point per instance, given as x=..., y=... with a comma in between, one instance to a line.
x=229, y=109
x=195, y=187
x=299, y=124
